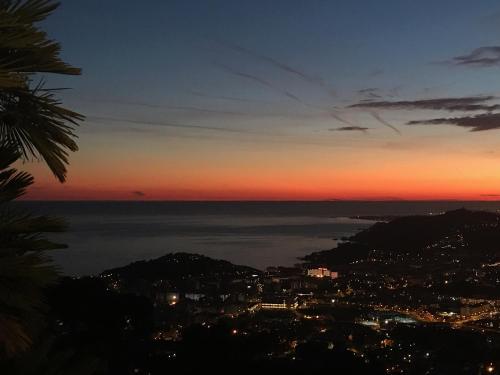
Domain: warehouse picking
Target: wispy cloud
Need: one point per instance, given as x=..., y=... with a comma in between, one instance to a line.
x=350, y=128
x=330, y=112
x=300, y=73
x=166, y=124
x=171, y=107
x=482, y=122
x=375, y=73
x=138, y=193
x=223, y=97
x=370, y=93
x=480, y=57
x=259, y=80
x=279, y=90
x=377, y=117
x=470, y=103
x=334, y=115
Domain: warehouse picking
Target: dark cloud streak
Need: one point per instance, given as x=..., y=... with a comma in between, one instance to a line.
x=350, y=128
x=482, y=122
x=480, y=57
x=470, y=103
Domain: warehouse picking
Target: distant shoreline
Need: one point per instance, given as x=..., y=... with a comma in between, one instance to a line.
x=270, y=200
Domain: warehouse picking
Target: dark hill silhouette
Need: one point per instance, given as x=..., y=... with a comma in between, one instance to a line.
x=174, y=266
x=415, y=232
x=467, y=233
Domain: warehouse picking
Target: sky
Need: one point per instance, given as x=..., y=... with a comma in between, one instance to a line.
x=279, y=100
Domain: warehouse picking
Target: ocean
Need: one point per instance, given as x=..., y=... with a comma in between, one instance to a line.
x=104, y=235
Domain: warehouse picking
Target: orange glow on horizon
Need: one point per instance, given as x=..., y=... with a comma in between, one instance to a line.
x=298, y=193
x=230, y=171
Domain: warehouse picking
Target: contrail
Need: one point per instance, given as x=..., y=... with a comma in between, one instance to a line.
x=167, y=124
x=174, y=107
x=279, y=90
x=205, y=110
x=282, y=139
x=330, y=112
x=338, y=118
x=383, y=122
x=259, y=80
x=229, y=98
x=280, y=65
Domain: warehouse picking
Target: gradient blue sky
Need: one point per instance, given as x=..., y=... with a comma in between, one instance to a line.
x=166, y=116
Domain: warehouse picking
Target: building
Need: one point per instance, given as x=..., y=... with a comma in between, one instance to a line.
x=476, y=309
x=194, y=296
x=169, y=298
x=322, y=272
x=278, y=303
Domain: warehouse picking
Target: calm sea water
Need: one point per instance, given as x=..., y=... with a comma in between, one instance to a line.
x=103, y=235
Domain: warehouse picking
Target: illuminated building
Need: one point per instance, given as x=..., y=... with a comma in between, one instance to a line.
x=194, y=296
x=321, y=272
x=279, y=303
x=169, y=298
x=172, y=298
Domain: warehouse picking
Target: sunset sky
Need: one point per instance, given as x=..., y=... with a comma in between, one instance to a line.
x=392, y=99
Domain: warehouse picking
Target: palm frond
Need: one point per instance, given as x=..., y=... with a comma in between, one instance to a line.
x=35, y=121
x=49, y=357
x=24, y=268
x=13, y=335
x=22, y=283
x=32, y=117
x=13, y=184
x=24, y=48
x=33, y=124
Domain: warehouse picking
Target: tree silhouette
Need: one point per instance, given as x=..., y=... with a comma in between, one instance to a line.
x=33, y=125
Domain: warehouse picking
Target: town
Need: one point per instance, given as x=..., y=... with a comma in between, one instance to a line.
x=400, y=297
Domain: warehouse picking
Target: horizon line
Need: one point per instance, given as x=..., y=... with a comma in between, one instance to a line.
x=262, y=200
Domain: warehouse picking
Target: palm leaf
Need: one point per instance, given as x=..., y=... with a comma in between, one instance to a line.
x=35, y=121
x=33, y=124
x=22, y=283
x=31, y=117
x=24, y=48
x=13, y=184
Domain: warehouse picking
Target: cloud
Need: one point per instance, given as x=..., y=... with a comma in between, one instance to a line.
x=282, y=66
x=470, y=103
x=370, y=93
x=277, y=89
x=480, y=57
x=350, y=128
x=377, y=117
x=489, y=195
x=228, y=98
x=139, y=193
x=482, y=122
x=166, y=124
x=204, y=110
x=337, y=117
x=375, y=73
x=257, y=79
x=172, y=107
